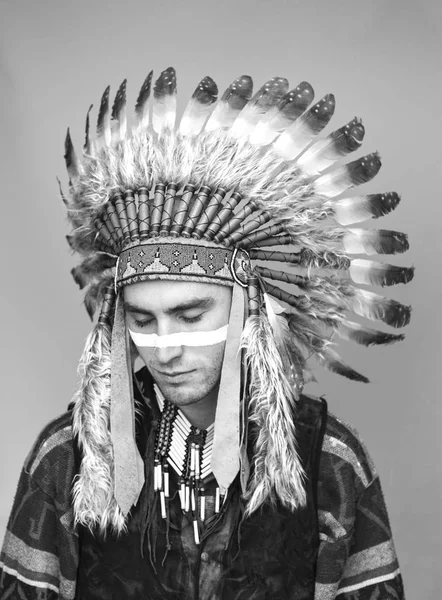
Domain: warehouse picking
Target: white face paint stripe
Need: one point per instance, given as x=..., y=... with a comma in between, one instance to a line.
x=183, y=338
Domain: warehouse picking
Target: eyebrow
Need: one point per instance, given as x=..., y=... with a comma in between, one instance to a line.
x=183, y=306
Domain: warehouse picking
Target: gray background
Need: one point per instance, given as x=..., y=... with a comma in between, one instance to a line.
x=382, y=61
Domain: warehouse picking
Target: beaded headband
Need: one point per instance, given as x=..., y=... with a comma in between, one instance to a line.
x=240, y=185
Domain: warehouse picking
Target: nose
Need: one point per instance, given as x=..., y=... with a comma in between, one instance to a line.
x=167, y=355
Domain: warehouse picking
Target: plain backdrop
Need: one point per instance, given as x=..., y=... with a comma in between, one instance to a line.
x=382, y=60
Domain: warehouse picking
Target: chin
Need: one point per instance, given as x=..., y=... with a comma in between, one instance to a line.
x=184, y=394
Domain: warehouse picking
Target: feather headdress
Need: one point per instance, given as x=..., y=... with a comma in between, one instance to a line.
x=248, y=182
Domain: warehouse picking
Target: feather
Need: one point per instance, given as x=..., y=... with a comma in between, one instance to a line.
x=142, y=105
x=82, y=239
x=62, y=196
x=368, y=272
x=322, y=260
x=374, y=241
x=341, y=142
x=92, y=267
x=281, y=116
x=330, y=359
x=119, y=118
x=297, y=137
x=94, y=296
x=277, y=323
x=366, y=336
x=262, y=101
x=293, y=104
x=317, y=311
x=360, y=208
x=350, y=175
x=336, y=293
x=199, y=107
x=103, y=122
x=306, y=331
x=308, y=376
x=231, y=104
x=378, y=308
x=164, y=101
x=87, y=141
x=71, y=242
x=72, y=165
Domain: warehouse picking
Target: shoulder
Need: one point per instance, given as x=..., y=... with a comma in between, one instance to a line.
x=346, y=474
x=344, y=459
x=343, y=445
x=52, y=455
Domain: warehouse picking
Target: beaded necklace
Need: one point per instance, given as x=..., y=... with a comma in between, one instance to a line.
x=188, y=450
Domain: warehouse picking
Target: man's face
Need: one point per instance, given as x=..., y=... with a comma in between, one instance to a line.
x=185, y=374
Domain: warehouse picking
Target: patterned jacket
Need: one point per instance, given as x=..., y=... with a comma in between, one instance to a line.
x=356, y=560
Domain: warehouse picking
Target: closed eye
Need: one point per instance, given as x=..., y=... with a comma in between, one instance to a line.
x=144, y=323
x=191, y=320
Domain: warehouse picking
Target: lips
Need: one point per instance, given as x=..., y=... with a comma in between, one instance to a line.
x=173, y=375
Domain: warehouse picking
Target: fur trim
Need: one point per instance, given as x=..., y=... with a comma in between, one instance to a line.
x=277, y=468
x=94, y=502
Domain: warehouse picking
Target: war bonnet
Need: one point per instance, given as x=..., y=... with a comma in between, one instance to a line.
x=244, y=193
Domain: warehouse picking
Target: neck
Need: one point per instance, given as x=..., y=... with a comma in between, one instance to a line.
x=201, y=414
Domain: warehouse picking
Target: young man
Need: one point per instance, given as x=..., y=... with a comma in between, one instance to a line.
x=207, y=473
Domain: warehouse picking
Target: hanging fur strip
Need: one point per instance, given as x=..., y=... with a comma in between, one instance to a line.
x=93, y=498
x=277, y=470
